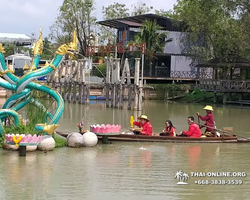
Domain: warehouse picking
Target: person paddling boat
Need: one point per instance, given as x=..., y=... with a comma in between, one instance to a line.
x=209, y=120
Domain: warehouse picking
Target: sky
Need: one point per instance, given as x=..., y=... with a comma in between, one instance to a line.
x=27, y=16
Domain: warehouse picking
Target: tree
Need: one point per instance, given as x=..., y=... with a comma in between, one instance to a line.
x=154, y=38
x=213, y=31
x=141, y=8
x=47, y=51
x=113, y=11
x=74, y=14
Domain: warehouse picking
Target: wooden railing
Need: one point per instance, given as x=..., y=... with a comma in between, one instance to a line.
x=161, y=73
x=225, y=85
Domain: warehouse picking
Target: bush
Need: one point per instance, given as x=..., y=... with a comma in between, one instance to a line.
x=197, y=95
x=60, y=142
x=100, y=70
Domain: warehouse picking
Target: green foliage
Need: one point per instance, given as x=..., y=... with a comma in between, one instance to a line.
x=141, y=8
x=117, y=10
x=74, y=14
x=172, y=90
x=35, y=114
x=100, y=70
x=113, y=11
x=213, y=24
x=197, y=95
x=47, y=51
x=60, y=142
x=2, y=140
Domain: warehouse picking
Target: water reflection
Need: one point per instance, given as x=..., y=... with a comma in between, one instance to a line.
x=157, y=111
x=124, y=170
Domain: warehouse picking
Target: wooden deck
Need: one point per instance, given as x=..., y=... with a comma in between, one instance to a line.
x=229, y=86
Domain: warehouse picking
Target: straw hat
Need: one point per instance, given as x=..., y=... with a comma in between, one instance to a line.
x=143, y=117
x=210, y=108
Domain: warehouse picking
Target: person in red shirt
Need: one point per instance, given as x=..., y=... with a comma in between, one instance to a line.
x=209, y=119
x=144, y=125
x=193, y=130
x=169, y=129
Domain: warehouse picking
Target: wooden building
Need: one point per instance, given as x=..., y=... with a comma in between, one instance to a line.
x=172, y=64
x=229, y=77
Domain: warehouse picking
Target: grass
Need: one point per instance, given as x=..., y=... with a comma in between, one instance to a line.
x=36, y=115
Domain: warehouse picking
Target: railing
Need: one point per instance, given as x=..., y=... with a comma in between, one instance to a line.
x=164, y=73
x=225, y=85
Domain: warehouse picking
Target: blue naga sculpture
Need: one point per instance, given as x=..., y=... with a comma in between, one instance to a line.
x=24, y=86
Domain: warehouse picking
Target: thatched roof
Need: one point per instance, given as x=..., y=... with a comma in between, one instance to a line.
x=220, y=62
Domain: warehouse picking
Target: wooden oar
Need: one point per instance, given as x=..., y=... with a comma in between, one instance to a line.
x=216, y=129
x=199, y=121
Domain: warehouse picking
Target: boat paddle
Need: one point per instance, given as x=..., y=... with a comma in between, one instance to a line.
x=216, y=129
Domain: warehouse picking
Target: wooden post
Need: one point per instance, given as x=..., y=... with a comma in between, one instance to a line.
x=107, y=94
x=112, y=95
x=121, y=89
x=136, y=82
x=224, y=98
x=80, y=93
x=74, y=91
x=22, y=150
x=130, y=90
x=140, y=95
x=84, y=94
x=117, y=96
x=87, y=96
x=215, y=97
x=107, y=88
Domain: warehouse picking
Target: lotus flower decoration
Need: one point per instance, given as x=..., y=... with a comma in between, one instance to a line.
x=108, y=128
x=23, y=139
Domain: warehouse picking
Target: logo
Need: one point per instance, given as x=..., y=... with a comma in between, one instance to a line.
x=182, y=177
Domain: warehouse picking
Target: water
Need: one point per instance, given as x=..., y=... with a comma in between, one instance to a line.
x=126, y=170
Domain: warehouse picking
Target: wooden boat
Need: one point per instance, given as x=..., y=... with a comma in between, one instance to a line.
x=166, y=139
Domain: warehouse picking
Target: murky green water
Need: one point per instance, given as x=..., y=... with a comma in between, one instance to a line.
x=123, y=170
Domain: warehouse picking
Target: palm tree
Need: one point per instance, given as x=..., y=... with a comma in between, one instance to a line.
x=155, y=40
x=185, y=177
x=179, y=174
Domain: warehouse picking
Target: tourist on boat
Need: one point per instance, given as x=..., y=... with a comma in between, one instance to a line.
x=169, y=129
x=145, y=127
x=209, y=119
x=193, y=130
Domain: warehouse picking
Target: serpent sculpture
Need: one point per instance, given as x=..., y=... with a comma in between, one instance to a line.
x=23, y=87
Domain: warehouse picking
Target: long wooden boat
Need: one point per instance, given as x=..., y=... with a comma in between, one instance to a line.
x=166, y=139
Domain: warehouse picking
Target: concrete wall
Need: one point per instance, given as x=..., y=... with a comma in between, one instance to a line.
x=181, y=63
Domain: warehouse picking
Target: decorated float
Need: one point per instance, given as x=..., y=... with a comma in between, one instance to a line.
x=23, y=89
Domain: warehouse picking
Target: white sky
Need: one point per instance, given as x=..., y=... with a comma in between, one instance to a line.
x=27, y=16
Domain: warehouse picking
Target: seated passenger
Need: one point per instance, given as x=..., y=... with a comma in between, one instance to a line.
x=145, y=128
x=169, y=129
x=193, y=130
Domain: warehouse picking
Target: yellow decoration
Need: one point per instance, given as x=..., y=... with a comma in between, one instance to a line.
x=131, y=121
x=68, y=48
x=26, y=67
x=50, y=128
x=38, y=46
x=52, y=66
x=6, y=71
x=1, y=48
x=17, y=140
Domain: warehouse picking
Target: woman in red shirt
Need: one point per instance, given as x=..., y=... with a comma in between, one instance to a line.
x=143, y=123
x=209, y=119
x=169, y=129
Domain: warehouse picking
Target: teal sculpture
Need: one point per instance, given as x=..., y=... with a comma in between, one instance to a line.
x=25, y=86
